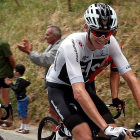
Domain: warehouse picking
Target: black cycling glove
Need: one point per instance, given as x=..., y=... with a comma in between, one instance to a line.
x=117, y=101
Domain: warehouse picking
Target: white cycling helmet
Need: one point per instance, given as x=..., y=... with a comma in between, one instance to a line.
x=97, y=13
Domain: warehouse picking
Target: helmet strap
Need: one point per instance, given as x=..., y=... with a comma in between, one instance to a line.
x=89, y=38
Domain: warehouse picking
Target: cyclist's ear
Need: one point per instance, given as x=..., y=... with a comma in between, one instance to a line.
x=114, y=32
x=86, y=27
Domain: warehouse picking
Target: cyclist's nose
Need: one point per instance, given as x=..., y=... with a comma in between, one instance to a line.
x=102, y=38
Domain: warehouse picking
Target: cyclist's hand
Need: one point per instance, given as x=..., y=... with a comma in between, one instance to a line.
x=114, y=131
x=119, y=104
x=129, y=134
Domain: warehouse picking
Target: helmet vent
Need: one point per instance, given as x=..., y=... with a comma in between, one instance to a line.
x=89, y=20
x=111, y=21
x=102, y=12
x=97, y=12
x=94, y=20
x=108, y=13
x=111, y=12
x=91, y=11
x=114, y=22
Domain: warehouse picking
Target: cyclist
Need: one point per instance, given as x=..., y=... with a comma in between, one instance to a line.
x=79, y=55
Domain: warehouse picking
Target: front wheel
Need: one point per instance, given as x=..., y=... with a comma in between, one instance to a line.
x=45, y=128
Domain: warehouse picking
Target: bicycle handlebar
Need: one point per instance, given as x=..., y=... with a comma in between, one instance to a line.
x=7, y=109
x=118, y=112
x=121, y=137
x=135, y=133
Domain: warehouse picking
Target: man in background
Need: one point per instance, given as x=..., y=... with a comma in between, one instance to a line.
x=7, y=64
x=45, y=59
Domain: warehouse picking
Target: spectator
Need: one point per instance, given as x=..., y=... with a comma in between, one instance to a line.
x=20, y=92
x=45, y=59
x=7, y=64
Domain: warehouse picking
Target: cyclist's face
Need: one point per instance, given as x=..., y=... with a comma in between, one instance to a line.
x=98, y=37
x=99, y=42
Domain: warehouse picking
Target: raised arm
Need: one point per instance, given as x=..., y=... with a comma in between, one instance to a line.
x=44, y=59
x=26, y=47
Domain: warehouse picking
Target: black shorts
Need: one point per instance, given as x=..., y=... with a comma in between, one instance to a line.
x=2, y=83
x=92, y=85
x=68, y=109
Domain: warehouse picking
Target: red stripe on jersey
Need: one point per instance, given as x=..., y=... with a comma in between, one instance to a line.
x=107, y=62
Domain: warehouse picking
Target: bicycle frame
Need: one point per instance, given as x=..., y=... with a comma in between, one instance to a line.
x=135, y=133
x=67, y=135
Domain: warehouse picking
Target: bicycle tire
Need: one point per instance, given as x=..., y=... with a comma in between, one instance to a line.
x=45, y=127
x=1, y=138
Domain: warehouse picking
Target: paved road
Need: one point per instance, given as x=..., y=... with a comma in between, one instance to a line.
x=12, y=135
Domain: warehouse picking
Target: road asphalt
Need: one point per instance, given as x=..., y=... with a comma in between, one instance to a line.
x=12, y=135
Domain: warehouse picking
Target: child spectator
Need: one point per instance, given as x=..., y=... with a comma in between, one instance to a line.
x=20, y=92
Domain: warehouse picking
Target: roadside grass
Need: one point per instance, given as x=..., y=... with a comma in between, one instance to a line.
x=29, y=21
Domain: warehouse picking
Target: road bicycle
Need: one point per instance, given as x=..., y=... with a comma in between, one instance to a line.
x=45, y=129
x=9, y=110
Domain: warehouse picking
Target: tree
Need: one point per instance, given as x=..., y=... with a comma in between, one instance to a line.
x=69, y=5
x=17, y=2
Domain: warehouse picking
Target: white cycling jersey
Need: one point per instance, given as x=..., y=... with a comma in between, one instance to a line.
x=75, y=62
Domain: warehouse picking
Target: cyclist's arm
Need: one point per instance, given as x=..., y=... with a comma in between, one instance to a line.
x=114, y=83
x=114, y=78
x=125, y=70
x=83, y=98
x=73, y=55
x=133, y=84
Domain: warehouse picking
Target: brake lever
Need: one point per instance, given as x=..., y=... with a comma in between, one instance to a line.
x=119, y=113
x=123, y=107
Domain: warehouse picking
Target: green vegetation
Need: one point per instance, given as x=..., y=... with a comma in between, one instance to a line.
x=30, y=19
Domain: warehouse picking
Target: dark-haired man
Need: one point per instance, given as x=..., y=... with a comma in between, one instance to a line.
x=7, y=64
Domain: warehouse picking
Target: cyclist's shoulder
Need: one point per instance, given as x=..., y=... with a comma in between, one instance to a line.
x=112, y=40
x=113, y=43
x=75, y=36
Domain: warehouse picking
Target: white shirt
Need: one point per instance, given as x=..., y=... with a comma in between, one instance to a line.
x=75, y=62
